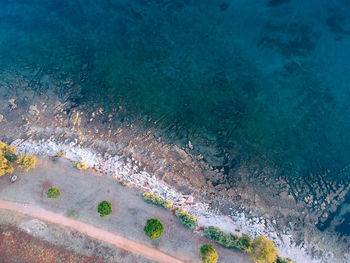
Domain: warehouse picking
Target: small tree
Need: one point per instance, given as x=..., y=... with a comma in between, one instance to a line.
x=154, y=228
x=209, y=254
x=263, y=250
x=53, y=193
x=5, y=166
x=104, y=208
x=7, y=157
x=27, y=161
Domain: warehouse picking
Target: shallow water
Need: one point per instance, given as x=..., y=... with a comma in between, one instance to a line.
x=264, y=82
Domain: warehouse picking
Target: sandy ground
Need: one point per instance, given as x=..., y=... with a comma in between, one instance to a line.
x=94, y=232
x=29, y=240
x=18, y=246
x=82, y=191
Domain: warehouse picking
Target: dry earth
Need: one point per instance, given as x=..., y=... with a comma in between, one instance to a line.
x=82, y=191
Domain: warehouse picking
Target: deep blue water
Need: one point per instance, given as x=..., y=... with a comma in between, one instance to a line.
x=261, y=81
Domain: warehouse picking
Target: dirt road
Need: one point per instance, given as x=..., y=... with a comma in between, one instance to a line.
x=91, y=231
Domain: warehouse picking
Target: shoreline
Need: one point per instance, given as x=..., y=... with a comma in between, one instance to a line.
x=147, y=163
x=142, y=181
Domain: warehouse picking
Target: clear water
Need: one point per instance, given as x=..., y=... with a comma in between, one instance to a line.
x=265, y=81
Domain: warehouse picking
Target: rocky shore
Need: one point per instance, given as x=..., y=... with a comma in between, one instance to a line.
x=287, y=211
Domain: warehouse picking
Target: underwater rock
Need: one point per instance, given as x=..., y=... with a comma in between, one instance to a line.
x=33, y=110
x=12, y=104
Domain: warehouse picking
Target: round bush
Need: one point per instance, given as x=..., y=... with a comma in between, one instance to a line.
x=154, y=228
x=263, y=250
x=53, y=193
x=104, y=208
x=209, y=254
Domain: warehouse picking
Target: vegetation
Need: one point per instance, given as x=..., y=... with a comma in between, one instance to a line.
x=153, y=199
x=5, y=166
x=27, y=162
x=81, y=165
x=228, y=240
x=53, y=193
x=7, y=156
x=263, y=250
x=284, y=260
x=72, y=214
x=209, y=254
x=104, y=208
x=244, y=243
x=10, y=154
x=154, y=228
x=186, y=219
x=60, y=154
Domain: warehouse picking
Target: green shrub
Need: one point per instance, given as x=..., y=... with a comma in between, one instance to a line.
x=53, y=193
x=209, y=254
x=153, y=199
x=214, y=233
x=104, y=208
x=284, y=260
x=154, y=228
x=11, y=155
x=263, y=250
x=186, y=219
x=229, y=240
x=244, y=243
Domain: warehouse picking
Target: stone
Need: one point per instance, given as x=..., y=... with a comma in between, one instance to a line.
x=12, y=104
x=33, y=110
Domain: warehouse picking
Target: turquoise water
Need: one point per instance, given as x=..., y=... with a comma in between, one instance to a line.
x=261, y=82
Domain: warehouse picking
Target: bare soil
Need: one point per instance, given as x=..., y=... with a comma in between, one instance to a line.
x=82, y=191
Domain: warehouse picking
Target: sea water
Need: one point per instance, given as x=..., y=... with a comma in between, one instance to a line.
x=260, y=81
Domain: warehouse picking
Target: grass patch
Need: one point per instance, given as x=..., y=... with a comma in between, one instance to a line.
x=72, y=214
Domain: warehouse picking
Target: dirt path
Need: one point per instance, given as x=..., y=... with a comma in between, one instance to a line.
x=90, y=230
